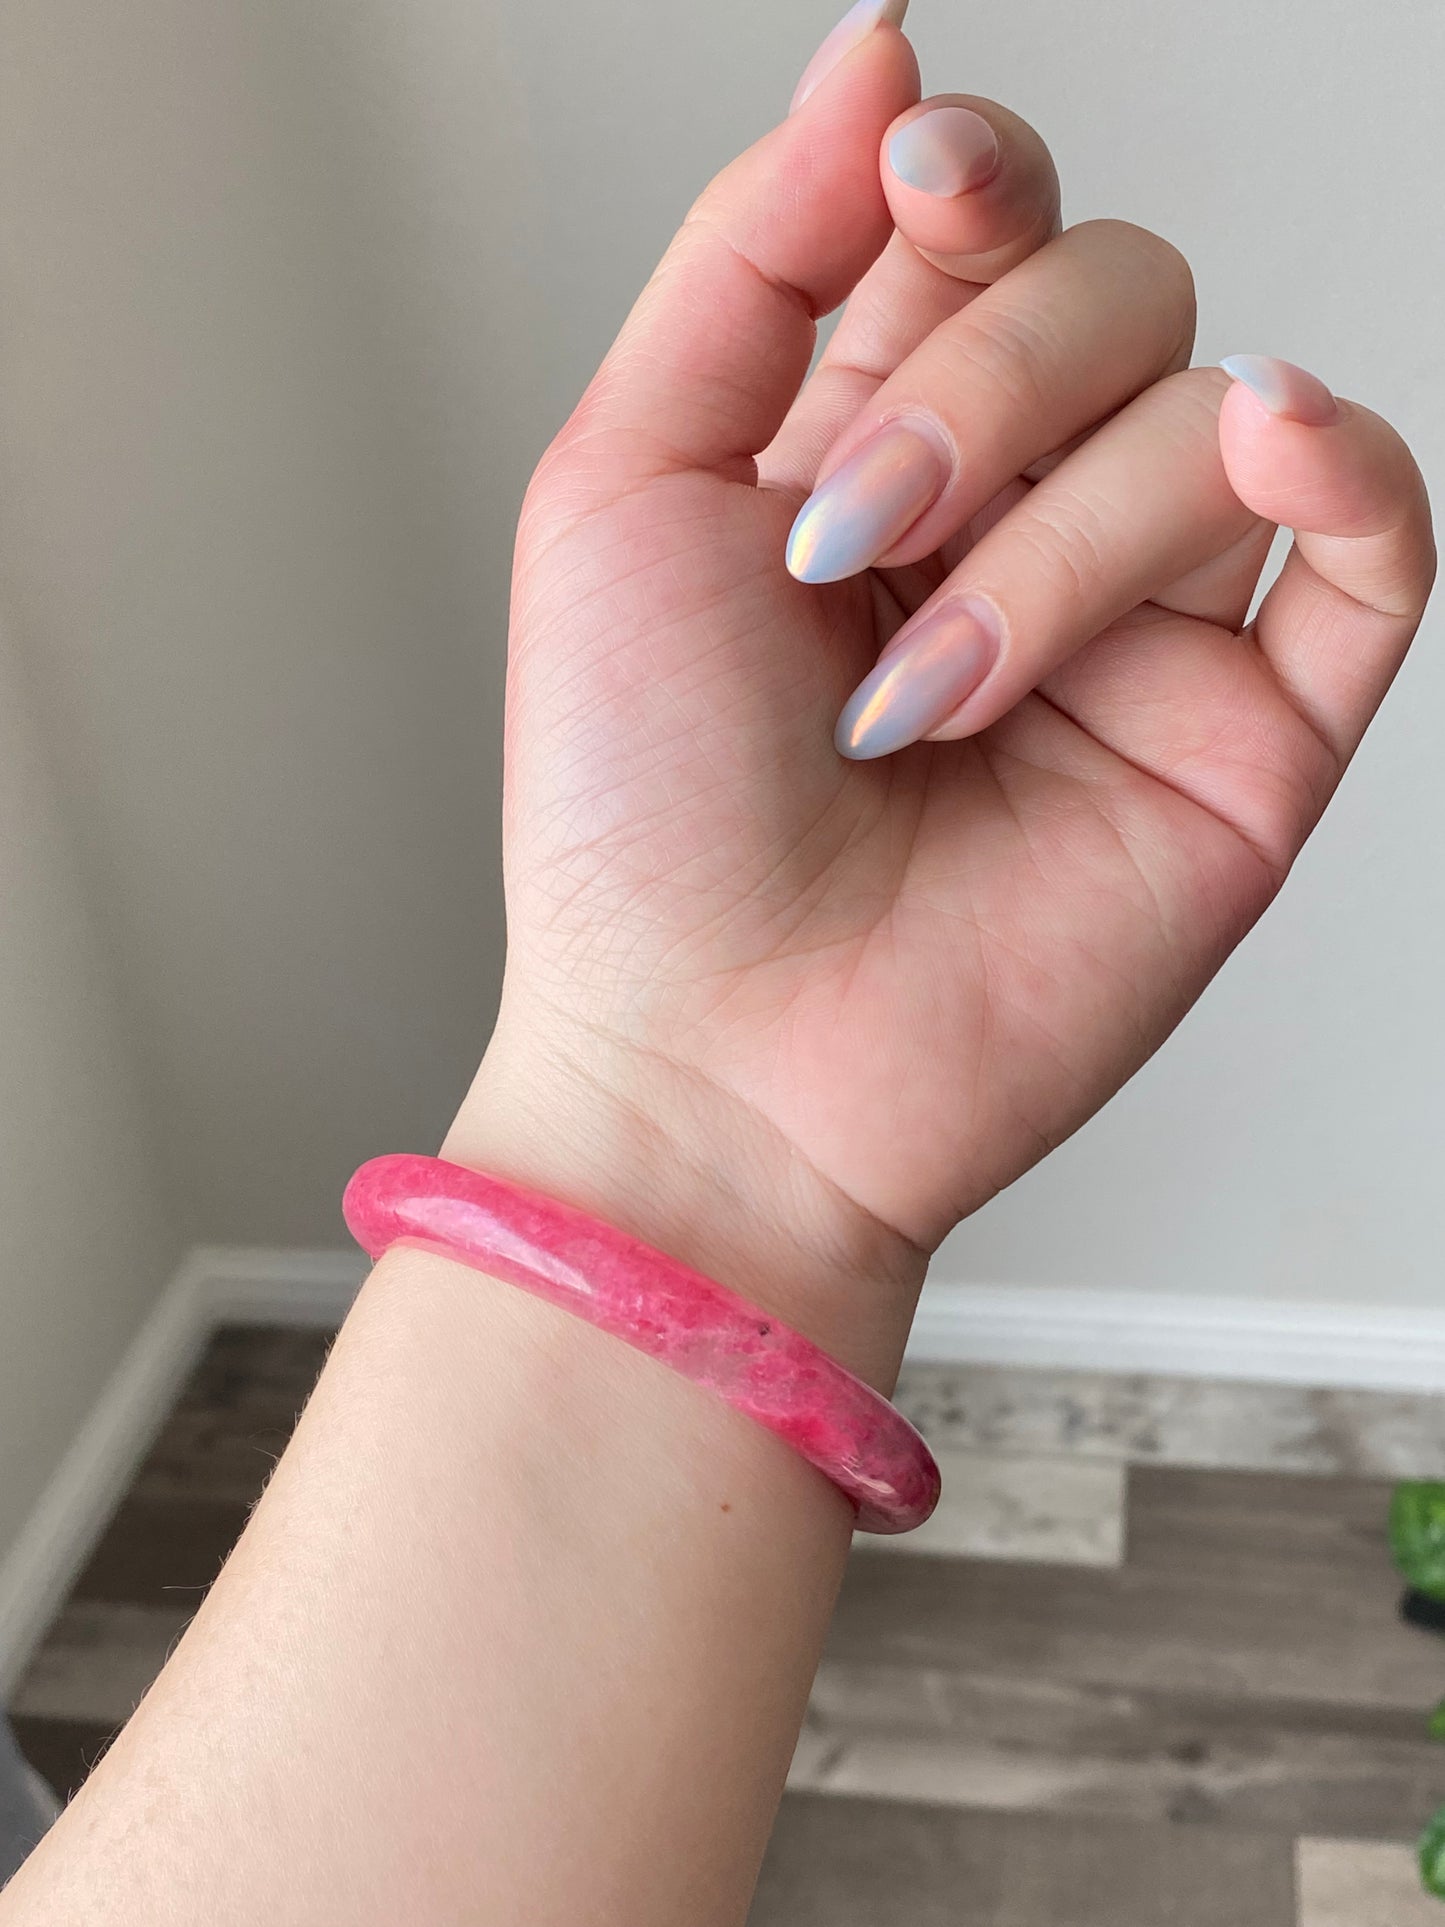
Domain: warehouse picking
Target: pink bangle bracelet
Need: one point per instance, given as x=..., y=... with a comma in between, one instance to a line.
x=739, y=1351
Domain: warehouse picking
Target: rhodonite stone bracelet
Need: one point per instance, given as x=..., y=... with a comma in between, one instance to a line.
x=738, y=1350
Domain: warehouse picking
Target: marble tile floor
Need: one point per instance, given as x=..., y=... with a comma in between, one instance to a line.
x=1143, y=1668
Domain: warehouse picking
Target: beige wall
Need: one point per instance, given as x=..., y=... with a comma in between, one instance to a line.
x=293, y=295
x=262, y=406
x=84, y=1240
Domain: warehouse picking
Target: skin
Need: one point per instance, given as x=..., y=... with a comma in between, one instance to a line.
x=523, y=1628
x=865, y=998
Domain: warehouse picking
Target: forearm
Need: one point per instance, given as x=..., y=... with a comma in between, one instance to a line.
x=522, y=1630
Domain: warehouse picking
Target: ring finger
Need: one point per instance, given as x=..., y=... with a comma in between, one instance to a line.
x=1141, y=505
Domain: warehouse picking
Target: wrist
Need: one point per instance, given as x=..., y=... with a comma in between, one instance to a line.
x=663, y=1154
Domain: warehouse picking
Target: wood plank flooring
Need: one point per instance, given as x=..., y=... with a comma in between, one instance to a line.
x=1346, y=1883
x=996, y=1505
x=864, y=1863
x=1145, y=1670
x=1001, y=1742
x=1203, y=1422
x=1232, y=1621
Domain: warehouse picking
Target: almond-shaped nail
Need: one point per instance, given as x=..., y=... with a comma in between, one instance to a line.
x=1289, y=392
x=946, y=151
x=920, y=681
x=855, y=26
x=866, y=504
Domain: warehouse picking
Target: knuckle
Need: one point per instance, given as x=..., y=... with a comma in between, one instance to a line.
x=1065, y=543
x=1003, y=369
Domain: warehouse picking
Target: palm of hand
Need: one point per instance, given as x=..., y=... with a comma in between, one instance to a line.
x=790, y=1015
x=918, y=974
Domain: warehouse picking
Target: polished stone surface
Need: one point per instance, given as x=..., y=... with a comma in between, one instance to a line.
x=698, y=1328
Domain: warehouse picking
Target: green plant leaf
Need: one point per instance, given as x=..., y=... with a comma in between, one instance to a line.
x=1432, y=1855
x=1436, y=1726
x=1417, y=1534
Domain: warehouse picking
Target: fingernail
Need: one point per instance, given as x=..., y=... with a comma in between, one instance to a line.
x=921, y=681
x=866, y=505
x=946, y=151
x=855, y=26
x=1290, y=392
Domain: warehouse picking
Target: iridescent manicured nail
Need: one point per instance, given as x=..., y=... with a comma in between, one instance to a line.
x=946, y=151
x=866, y=504
x=855, y=26
x=1287, y=391
x=920, y=681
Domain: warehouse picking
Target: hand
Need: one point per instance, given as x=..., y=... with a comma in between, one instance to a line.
x=793, y=1012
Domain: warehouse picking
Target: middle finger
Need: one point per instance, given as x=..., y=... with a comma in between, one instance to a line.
x=1063, y=341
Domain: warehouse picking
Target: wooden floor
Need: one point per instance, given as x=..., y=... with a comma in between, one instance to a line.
x=1143, y=1669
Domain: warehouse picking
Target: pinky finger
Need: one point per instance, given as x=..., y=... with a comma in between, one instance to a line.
x=1335, y=626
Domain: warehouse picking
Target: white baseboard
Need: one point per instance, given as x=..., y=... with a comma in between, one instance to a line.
x=255, y=1285
x=211, y=1286
x=1263, y=1341
x=38, y=1568
x=1268, y=1341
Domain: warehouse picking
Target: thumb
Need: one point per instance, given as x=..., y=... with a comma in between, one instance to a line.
x=718, y=343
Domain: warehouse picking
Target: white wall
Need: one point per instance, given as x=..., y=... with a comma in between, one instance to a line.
x=292, y=298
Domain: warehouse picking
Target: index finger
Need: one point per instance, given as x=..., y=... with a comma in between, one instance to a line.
x=972, y=186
